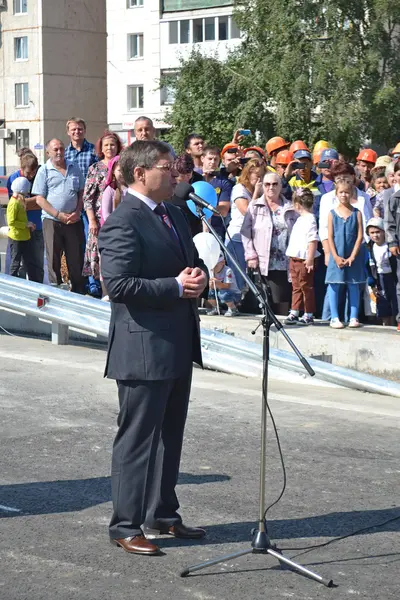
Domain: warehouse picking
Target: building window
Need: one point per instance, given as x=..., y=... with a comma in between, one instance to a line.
x=167, y=90
x=21, y=94
x=135, y=45
x=173, y=32
x=197, y=30
x=203, y=30
x=20, y=6
x=21, y=139
x=134, y=3
x=235, y=31
x=209, y=29
x=184, y=32
x=21, y=48
x=135, y=97
x=223, y=28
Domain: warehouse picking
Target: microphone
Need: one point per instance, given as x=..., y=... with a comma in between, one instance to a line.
x=184, y=191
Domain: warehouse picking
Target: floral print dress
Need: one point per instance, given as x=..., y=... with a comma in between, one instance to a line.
x=278, y=261
x=94, y=188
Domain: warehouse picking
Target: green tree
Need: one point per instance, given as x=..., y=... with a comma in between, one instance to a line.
x=212, y=98
x=329, y=67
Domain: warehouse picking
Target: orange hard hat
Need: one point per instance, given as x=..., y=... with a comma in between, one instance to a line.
x=229, y=146
x=367, y=155
x=396, y=149
x=298, y=145
x=284, y=157
x=274, y=144
x=317, y=155
x=257, y=149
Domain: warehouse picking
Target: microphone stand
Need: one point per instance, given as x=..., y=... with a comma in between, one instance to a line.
x=261, y=543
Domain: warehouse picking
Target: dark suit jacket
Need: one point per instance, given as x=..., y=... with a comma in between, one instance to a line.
x=154, y=334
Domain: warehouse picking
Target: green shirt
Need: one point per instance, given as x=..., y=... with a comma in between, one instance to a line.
x=17, y=221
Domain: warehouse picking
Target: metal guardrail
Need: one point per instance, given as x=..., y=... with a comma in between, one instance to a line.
x=221, y=352
x=62, y=308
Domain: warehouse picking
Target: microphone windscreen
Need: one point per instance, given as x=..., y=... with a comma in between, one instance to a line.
x=183, y=190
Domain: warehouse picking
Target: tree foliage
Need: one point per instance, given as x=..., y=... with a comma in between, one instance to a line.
x=330, y=67
x=213, y=99
x=306, y=69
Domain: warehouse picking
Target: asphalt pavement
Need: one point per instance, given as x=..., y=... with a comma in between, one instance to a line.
x=341, y=450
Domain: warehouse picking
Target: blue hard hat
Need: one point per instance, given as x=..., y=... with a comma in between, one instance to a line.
x=329, y=154
x=302, y=154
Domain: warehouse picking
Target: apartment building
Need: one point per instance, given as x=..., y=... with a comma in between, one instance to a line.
x=146, y=38
x=53, y=65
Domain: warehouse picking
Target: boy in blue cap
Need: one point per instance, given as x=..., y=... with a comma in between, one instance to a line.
x=305, y=176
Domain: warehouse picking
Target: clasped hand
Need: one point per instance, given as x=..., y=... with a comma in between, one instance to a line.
x=344, y=262
x=193, y=281
x=69, y=218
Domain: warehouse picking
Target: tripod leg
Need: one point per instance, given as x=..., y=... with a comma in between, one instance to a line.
x=296, y=567
x=215, y=561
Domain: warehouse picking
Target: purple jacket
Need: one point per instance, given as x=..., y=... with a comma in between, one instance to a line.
x=257, y=230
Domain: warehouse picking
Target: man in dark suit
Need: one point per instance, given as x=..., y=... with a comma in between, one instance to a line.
x=153, y=276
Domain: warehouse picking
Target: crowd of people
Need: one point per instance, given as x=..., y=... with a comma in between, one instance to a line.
x=320, y=233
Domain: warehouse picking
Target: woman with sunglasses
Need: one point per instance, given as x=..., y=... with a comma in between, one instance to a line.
x=265, y=235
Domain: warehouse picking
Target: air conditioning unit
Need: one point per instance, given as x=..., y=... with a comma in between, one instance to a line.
x=5, y=134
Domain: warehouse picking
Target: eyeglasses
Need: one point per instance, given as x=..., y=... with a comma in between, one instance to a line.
x=273, y=185
x=166, y=167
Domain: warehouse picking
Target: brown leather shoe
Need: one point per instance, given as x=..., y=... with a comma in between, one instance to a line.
x=182, y=531
x=137, y=544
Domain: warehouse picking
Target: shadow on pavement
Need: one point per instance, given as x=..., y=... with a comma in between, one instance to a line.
x=330, y=525
x=47, y=497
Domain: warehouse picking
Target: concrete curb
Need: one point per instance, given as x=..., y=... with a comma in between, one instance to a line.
x=370, y=349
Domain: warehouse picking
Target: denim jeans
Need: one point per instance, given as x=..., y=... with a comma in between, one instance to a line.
x=225, y=296
x=236, y=248
x=354, y=298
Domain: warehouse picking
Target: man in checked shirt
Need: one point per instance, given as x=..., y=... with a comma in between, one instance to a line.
x=82, y=153
x=79, y=151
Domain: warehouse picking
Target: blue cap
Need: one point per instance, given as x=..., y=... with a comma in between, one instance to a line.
x=302, y=154
x=329, y=154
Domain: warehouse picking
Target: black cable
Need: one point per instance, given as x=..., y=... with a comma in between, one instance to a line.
x=278, y=442
x=342, y=537
x=265, y=399
x=323, y=544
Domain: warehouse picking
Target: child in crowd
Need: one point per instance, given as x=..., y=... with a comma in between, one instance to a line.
x=379, y=184
x=227, y=291
x=346, y=260
x=114, y=190
x=302, y=250
x=19, y=229
x=382, y=272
